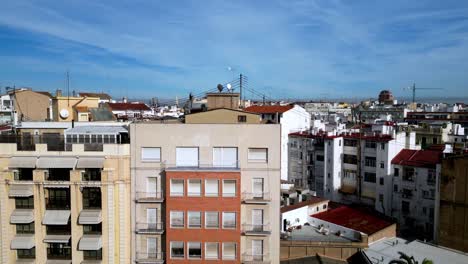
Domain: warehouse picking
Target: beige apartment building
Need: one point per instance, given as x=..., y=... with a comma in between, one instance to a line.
x=68, y=205
x=205, y=193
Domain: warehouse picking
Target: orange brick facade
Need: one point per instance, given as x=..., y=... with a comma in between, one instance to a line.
x=203, y=204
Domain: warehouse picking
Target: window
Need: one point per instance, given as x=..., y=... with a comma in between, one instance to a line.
x=431, y=177
x=211, y=250
x=186, y=157
x=92, y=229
x=194, y=187
x=229, y=188
x=194, y=250
x=25, y=228
x=258, y=155
x=92, y=254
x=339, y=143
x=371, y=144
x=91, y=175
x=369, y=162
x=91, y=198
x=382, y=146
x=350, y=143
x=396, y=172
x=229, y=220
x=211, y=187
x=369, y=177
x=229, y=251
x=381, y=181
x=241, y=118
x=382, y=165
x=211, y=219
x=395, y=188
x=424, y=210
x=23, y=174
x=151, y=187
x=257, y=187
x=24, y=203
x=177, y=187
x=177, y=219
x=152, y=247
x=350, y=174
x=225, y=157
x=194, y=219
x=177, y=250
x=380, y=197
x=350, y=159
x=26, y=253
x=151, y=154
x=319, y=158
x=405, y=206
x=408, y=174
x=151, y=217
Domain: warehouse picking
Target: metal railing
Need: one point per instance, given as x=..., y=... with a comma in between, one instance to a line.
x=248, y=257
x=144, y=255
x=149, y=196
x=256, y=196
x=144, y=227
x=256, y=228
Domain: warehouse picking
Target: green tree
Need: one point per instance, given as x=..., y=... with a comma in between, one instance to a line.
x=405, y=259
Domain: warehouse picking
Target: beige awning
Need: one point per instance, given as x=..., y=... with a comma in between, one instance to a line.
x=91, y=163
x=21, y=190
x=57, y=238
x=91, y=262
x=90, y=242
x=22, y=241
x=90, y=217
x=22, y=216
x=22, y=162
x=56, y=162
x=56, y=185
x=58, y=261
x=25, y=261
x=56, y=217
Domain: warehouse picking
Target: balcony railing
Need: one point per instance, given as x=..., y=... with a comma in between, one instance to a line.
x=255, y=258
x=258, y=197
x=149, y=197
x=149, y=256
x=256, y=229
x=150, y=228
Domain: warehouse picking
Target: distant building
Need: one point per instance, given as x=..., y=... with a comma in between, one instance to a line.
x=130, y=111
x=386, y=97
x=103, y=97
x=6, y=109
x=298, y=214
x=68, y=108
x=223, y=116
x=31, y=105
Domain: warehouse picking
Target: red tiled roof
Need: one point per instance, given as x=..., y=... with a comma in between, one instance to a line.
x=313, y=200
x=129, y=106
x=418, y=158
x=376, y=137
x=268, y=109
x=354, y=218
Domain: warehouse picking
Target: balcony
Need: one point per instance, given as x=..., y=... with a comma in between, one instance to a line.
x=149, y=228
x=149, y=257
x=149, y=197
x=256, y=198
x=256, y=229
x=255, y=258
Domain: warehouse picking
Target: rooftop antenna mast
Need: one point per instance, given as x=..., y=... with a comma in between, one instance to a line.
x=68, y=88
x=413, y=89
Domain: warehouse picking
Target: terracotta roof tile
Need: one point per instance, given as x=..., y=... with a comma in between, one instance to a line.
x=268, y=109
x=418, y=158
x=129, y=106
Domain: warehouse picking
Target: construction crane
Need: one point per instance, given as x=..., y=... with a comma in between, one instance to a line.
x=413, y=88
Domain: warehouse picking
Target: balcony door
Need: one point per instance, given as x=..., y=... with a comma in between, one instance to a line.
x=257, y=219
x=151, y=217
x=257, y=250
x=152, y=247
x=257, y=187
x=152, y=187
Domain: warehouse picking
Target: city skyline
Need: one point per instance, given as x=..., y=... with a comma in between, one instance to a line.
x=314, y=49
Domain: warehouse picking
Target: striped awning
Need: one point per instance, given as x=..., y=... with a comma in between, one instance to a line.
x=22, y=241
x=90, y=242
x=91, y=163
x=56, y=217
x=22, y=162
x=57, y=238
x=90, y=217
x=56, y=162
x=22, y=216
x=21, y=190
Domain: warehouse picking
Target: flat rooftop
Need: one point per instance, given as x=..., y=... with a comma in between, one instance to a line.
x=312, y=234
x=387, y=249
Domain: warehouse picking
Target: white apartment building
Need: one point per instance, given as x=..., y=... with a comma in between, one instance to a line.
x=6, y=109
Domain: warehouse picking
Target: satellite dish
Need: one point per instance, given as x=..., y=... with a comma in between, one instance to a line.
x=220, y=87
x=229, y=86
x=64, y=113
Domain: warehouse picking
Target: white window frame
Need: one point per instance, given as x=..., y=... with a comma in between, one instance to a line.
x=254, y=192
x=189, y=185
x=206, y=220
x=148, y=251
x=235, y=220
x=217, y=250
x=157, y=159
x=149, y=189
x=176, y=194
x=189, y=213
x=252, y=159
x=188, y=250
x=190, y=162
x=221, y=160
x=207, y=194
x=235, y=251
x=235, y=188
x=183, y=247
x=183, y=219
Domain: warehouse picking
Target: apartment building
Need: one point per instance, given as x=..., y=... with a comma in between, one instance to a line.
x=68, y=203
x=205, y=193
x=416, y=175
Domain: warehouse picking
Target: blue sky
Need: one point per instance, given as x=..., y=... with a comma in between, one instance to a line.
x=287, y=48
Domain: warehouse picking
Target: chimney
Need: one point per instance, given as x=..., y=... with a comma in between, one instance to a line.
x=58, y=93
